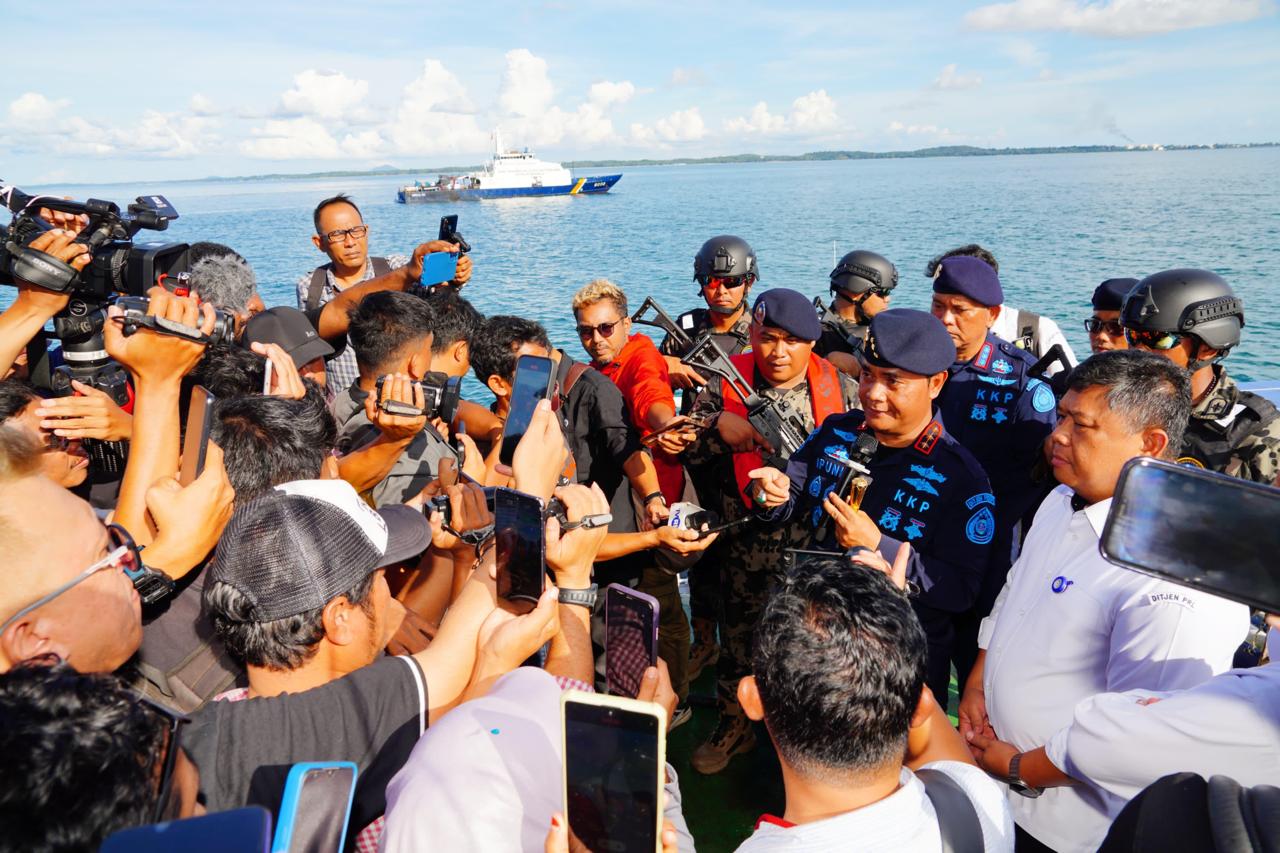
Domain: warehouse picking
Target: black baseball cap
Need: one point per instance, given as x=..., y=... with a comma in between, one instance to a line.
x=304, y=543
x=289, y=328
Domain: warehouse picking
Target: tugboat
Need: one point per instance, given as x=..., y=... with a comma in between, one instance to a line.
x=510, y=174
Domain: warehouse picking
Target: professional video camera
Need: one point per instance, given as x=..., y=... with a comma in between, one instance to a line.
x=440, y=393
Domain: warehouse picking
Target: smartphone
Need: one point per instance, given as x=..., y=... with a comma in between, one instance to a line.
x=796, y=557
x=195, y=442
x=614, y=768
x=534, y=375
x=246, y=829
x=266, y=377
x=1197, y=528
x=316, y=806
x=630, y=638
x=693, y=422
x=438, y=267
x=518, y=527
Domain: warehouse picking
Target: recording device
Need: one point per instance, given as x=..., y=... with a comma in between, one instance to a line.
x=316, y=806
x=440, y=504
x=1197, y=528
x=449, y=233
x=195, y=441
x=776, y=420
x=630, y=638
x=518, y=521
x=614, y=769
x=441, y=395
x=533, y=382
x=135, y=318
x=797, y=557
x=855, y=480
x=686, y=515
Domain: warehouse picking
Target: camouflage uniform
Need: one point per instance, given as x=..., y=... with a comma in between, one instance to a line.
x=840, y=335
x=1234, y=432
x=750, y=556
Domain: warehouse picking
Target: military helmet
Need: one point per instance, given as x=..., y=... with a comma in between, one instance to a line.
x=1186, y=302
x=725, y=256
x=861, y=271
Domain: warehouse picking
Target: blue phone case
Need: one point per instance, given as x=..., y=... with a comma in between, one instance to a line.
x=438, y=267
x=293, y=789
x=246, y=830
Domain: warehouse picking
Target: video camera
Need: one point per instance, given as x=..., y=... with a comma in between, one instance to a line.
x=441, y=395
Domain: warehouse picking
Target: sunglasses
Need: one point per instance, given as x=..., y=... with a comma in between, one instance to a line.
x=173, y=722
x=1152, y=339
x=340, y=235
x=730, y=282
x=603, y=329
x=1112, y=327
x=125, y=555
x=54, y=443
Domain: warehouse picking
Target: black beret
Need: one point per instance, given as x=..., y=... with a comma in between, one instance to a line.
x=914, y=341
x=1109, y=295
x=788, y=310
x=971, y=277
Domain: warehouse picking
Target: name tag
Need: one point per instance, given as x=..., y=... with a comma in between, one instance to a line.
x=1158, y=598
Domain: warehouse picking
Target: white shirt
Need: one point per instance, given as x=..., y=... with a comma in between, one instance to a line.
x=1227, y=726
x=1046, y=333
x=1069, y=625
x=903, y=822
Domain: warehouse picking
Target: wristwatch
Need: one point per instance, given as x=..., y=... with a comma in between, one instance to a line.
x=581, y=597
x=655, y=496
x=1015, y=780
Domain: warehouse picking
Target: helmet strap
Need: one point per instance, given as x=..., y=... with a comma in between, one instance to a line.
x=860, y=316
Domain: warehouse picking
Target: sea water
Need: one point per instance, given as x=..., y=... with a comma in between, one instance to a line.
x=1058, y=224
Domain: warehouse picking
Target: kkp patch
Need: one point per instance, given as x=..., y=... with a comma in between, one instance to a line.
x=981, y=527
x=1042, y=399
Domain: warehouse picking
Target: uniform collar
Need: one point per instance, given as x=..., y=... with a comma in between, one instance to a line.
x=1221, y=400
x=1095, y=513
x=987, y=353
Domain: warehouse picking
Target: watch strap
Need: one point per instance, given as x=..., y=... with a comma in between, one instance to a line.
x=581, y=597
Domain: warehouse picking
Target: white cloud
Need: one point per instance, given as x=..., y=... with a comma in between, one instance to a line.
x=291, y=139
x=368, y=143
x=435, y=115
x=33, y=110
x=951, y=78
x=608, y=94
x=526, y=88
x=680, y=126
x=1115, y=18
x=942, y=134
x=202, y=106
x=323, y=94
x=688, y=77
x=809, y=113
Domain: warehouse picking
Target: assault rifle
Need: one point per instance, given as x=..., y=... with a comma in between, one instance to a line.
x=1058, y=382
x=662, y=320
x=776, y=421
x=853, y=341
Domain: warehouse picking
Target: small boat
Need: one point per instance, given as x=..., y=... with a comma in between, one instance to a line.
x=510, y=174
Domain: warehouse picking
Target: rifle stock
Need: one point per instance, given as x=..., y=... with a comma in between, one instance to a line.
x=662, y=320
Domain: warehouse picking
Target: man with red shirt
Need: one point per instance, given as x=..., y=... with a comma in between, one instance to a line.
x=633, y=363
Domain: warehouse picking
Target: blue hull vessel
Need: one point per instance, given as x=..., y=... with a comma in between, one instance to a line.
x=419, y=194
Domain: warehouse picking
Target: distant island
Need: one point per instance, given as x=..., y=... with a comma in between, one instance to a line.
x=937, y=151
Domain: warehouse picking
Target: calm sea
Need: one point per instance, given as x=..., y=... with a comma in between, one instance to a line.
x=1059, y=224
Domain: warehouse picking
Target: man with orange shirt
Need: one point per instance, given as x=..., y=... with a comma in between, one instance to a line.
x=633, y=363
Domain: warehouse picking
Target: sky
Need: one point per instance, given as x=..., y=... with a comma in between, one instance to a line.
x=177, y=90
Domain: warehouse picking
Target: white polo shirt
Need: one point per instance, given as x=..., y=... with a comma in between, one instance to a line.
x=1069, y=625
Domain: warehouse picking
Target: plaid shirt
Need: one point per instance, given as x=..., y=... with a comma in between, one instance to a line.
x=341, y=369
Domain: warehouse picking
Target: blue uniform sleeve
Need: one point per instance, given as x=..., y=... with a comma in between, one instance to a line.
x=798, y=473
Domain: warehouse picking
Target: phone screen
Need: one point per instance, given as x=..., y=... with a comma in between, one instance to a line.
x=531, y=384
x=315, y=811
x=448, y=227
x=631, y=638
x=611, y=775
x=195, y=443
x=438, y=267
x=518, y=526
x=1197, y=528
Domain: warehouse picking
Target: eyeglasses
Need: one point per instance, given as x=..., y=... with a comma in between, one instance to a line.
x=604, y=330
x=340, y=235
x=1112, y=327
x=173, y=723
x=729, y=282
x=1152, y=339
x=152, y=586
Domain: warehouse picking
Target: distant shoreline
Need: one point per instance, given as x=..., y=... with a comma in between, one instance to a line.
x=812, y=156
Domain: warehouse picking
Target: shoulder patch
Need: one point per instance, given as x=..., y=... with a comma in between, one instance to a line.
x=687, y=321
x=980, y=499
x=981, y=527
x=1042, y=399
x=983, y=360
x=929, y=438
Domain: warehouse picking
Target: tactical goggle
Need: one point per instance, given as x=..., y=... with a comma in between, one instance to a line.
x=1155, y=340
x=731, y=282
x=1112, y=327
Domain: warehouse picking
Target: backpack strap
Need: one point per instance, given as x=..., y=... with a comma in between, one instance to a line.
x=319, y=277
x=201, y=675
x=380, y=266
x=958, y=823
x=571, y=378
x=1028, y=324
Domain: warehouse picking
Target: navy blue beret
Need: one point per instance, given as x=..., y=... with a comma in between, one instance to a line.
x=788, y=310
x=914, y=341
x=969, y=277
x=1109, y=295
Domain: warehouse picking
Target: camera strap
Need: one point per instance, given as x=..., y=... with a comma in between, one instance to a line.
x=163, y=326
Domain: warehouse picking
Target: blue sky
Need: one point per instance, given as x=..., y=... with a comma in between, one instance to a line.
x=184, y=90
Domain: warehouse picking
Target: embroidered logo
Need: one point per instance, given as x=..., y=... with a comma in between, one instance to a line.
x=981, y=527
x=929, y=473
x=1042, y=399
x=978, y=412
x=1002, y=367
x=921, y=485
x=929, y=438
x=914, y=529
x=889, y=520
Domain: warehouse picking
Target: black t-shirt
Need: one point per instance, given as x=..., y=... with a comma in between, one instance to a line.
x=373, y=717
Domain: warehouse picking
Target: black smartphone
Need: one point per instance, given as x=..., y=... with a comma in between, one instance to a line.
x=796, y=557
x=534, y=375
x=518, y=528
x=1197, y=528
x=630, y=638
x=195, y=443
x=614, y=766
x=449, y=233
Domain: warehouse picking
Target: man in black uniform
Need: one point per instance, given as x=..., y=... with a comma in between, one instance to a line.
x=860, y=287
x=1192, y=318
x=725, y=268
x=926, y=489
